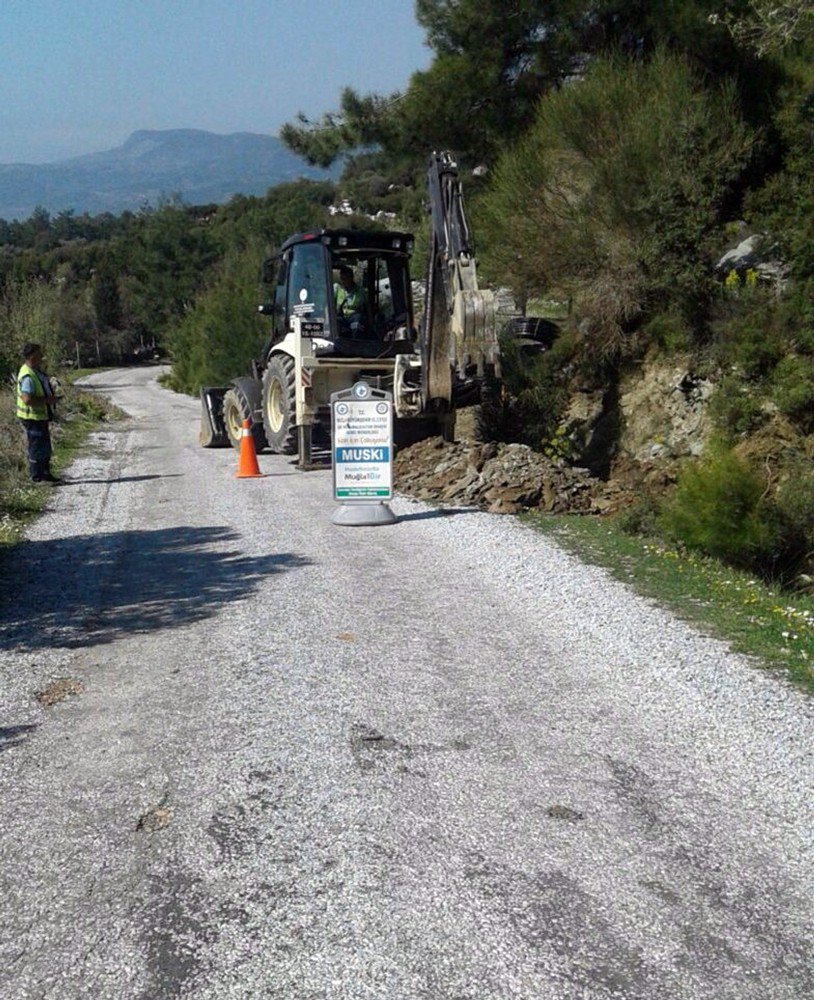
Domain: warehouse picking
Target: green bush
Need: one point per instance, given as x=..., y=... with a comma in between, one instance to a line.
x=534, y=394
x=219, y=336
x=670, y=331
x=89, y=405
x=641, y=517
x=718, y=508
x=793, y=388
x=13, y=476
x=798, y=307
x=616, y=193
x=795, y=506
x=784, y=204
x=751, y=336
x=29, y=310
x=735, y=408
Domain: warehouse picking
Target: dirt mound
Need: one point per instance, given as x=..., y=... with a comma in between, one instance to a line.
x=502, y=478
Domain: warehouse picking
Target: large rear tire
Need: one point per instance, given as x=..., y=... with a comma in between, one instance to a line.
x=237, y=407
x=279, y=405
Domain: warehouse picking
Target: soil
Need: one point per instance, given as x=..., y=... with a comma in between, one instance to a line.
x=59, y=690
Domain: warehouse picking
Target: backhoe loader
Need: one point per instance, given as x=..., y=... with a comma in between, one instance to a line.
x=317, y=346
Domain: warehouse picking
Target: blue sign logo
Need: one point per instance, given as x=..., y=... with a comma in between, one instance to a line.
x=346, y=455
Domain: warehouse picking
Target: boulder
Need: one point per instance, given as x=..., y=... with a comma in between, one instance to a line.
x=741, y=257
x=755, y=253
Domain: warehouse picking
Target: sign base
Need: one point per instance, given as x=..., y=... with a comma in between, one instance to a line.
x=353, y=515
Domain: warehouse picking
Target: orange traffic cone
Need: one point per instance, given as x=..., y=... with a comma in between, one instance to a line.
x=247, y=467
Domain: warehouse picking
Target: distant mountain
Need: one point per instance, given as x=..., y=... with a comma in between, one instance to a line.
x=200, y=166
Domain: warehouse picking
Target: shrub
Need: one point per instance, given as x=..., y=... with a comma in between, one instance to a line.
x=534, y=395
x=734, y=408
x=12, y=450
x=223, y=331
x=751, y=336
x=641, y=517
x=615, y=193
x=670, y=331
x=793, y=388
x=29, y=310
x=795, y=507
x=717, y=508
x=795, y=495
x=784, y=205
x=798, y=309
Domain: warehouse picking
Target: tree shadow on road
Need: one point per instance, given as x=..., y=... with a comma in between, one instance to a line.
x=425, y=515
x=91, y=589
x=122, y=479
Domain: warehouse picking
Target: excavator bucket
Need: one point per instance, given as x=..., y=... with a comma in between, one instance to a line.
x=460, y=328
x=213, y=429
x=474, y=332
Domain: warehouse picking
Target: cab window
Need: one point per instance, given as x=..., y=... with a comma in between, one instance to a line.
x=307, y=282
x=280, y=297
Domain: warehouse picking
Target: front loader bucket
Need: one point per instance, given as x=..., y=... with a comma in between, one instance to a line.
x=213, y=429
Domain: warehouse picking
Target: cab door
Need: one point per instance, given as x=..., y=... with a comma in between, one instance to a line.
x=309, y=292
x=280, y=316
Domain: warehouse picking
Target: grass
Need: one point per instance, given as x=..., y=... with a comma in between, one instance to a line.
x=549, y=308
x=774, y=626
x=74, y=374
x=20, y=499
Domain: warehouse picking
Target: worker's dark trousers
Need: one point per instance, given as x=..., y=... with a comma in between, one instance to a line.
x=38, y=448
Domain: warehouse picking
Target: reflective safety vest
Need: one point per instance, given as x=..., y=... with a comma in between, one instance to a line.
x=36, y=409
x=347, y=302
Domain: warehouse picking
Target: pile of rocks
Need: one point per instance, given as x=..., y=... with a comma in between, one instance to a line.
x=502, y=478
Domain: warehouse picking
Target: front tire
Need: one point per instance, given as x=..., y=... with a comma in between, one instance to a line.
x=237, y=407
x=279, y=405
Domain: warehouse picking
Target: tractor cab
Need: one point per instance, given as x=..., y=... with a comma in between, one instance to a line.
x=356, y=282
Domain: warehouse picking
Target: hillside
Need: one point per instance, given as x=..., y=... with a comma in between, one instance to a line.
x=200, y=166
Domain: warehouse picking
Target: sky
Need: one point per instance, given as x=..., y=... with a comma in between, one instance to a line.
x=78, y=76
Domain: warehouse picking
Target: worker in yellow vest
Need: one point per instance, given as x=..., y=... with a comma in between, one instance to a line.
x=35, y=402
x=351, y=304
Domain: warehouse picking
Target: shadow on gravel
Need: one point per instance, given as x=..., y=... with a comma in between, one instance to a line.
x=13, y=736
x=89, y=590
x=122, y=479
x=423, y=515
x=107, y=386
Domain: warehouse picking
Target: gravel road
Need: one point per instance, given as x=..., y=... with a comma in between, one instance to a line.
x=441, y=760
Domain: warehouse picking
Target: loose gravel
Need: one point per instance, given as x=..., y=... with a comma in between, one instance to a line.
x=440, y=760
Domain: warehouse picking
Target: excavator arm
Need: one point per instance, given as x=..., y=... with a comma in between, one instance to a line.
x=458, y=334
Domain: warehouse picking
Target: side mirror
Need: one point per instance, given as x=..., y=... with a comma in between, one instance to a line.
x=267, y=271
x=266, y=309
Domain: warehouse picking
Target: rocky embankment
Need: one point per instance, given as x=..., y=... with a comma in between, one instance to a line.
x=502, y=478
x=656, y=417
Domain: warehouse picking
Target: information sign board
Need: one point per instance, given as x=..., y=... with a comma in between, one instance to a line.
x=362, y=444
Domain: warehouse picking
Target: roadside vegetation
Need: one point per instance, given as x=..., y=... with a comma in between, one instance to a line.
x=79, y=413
x=757, y=619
